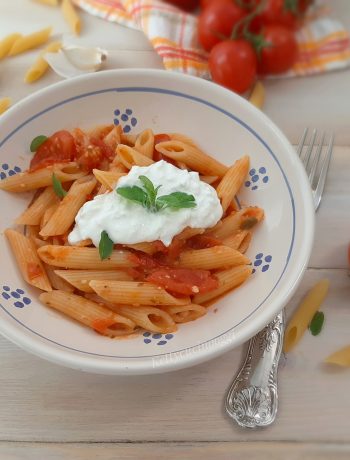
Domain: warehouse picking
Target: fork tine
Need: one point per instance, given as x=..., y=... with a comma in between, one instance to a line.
x=309, y=149
x=323, y=174
x=302, y=142
x=316, y=160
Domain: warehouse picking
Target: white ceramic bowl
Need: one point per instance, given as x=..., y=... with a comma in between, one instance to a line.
x=227, y=127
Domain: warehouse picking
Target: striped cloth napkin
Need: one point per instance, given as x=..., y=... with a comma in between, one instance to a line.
x=324, y=43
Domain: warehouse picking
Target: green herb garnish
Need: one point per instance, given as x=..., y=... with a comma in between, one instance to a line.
x=147, y=197
x=105, y=247
x=37, y=142
x=57, y=186
x=316, y=324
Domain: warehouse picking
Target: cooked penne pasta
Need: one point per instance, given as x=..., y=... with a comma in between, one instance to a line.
x=5, y=103
x=135, y=293
x=28, y=42
x=7, y=43
x=28, y=261
x=228, y=280
x=234, y=241
x=244, y=219
x=209, y=179
x=148, y=248
x=243, y=247
x=128, y=139
x=40, y=66
x=80, y=279
x=340, y=357
x=25, y=181
x=183, y=138
x=185, y=313
x=304, y=314
x=145, y=143
x=83, y=258
x=107, y=178
x=56, y=281
x=232, y=181
x=212, y=258
x=113, y=138
x=50, y=211
x=71, y=16
x=64, y=215
x=131, y=157
x=194, y=158
x=150, y=318
x=34, y=213
x=89, y=313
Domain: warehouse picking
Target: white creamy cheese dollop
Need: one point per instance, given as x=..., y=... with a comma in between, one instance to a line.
x=127, y=222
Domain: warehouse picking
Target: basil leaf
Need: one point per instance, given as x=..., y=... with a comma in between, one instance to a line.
x=57, y=187
x=134, y=193
x=37, y=142
x=105, y=247
x=316, y=324
x=177, y=200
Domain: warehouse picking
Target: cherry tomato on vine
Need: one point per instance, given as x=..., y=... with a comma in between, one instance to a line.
x=287, y=13
x=187, y=5
x=205, y=3
x=233, y=63
x=216, y=22
x=281, y=51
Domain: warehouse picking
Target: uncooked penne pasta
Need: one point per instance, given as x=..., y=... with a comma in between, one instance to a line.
x=40, y=66
x=212, y=258
x=71, y=16
x=25, y=252
x=228, y=280
x=80, y=279
x=340, y=357
x=76, y=257
x=145, y=143
x=108, y=178
x=149, y=318
x=245, y=219
x=302, y=317
x=64, y=216
x=257, y=96
x=135, y=293
x=25, y=181
x=232, y=181
x=89, y=313
x=7, y=43
x=28, y=42
x=5, y=103
x=131, y=157
x=192, y=157
x=34, y=213
x=185, y=313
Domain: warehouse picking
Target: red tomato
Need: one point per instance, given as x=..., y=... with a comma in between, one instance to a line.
x=206, y=3
x=281, y=52
x=92, y=152
x=233, y=64
x=284, y=12
x=216, y=22
x=187, y=5
x=184, y=281
x=60, y=147
x=202, y=242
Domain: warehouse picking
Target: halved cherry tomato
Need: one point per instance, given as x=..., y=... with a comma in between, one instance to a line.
x=216, y=22
x=281, y=52
x=92, y=152
x=184, y=281
x=187, y=5
x=60, y=147
x=233, y=64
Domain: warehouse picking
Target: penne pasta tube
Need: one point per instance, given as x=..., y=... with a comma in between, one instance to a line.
x=40, y=66
x=25, y=181
x=99, y=132
x=232, y=181
x=228, y=280
x=5, y=103
x=183, y=138
x=48, y=214
x=30, y=265
x=64, y=215
x=130, y=157
x=71, y=16
x=302, y=317
x=89, y=313
x=145, y=143
x=188, y=232
x=56, y=281
x=185, y=313
x=209, y=179
x=113, y=138
x=7, y=43
x=149, y=318
x=257, y=96
x=340, y=357
x=234, y=241
x=245, y=243
x=212, y=258
x=76, y=257
x=148, y=248
x=28, y=42
x=135, y=293
x=34, y=213
x=194, y=158
x=80, y=279
x=108, y=178
x=128, y=139
x=245, y=219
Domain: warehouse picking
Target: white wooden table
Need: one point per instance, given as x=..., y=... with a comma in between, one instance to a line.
x=49, y=412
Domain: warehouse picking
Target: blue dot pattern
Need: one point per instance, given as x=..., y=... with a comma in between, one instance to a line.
x=19, y=300
x=158, y=339
x=7, y=172
x=262, y=261
x=125, y=119
x=257, y=178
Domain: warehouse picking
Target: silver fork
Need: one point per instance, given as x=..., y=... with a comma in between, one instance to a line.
x=252, y=399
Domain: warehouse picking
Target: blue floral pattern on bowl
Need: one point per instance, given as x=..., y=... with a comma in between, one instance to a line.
x=257, y=177
x=6, y=171
x=17, y=296
x=159, y=339
x=263, y=262
x=125, y=118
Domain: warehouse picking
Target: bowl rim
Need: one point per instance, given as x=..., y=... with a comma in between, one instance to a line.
x=133, y=365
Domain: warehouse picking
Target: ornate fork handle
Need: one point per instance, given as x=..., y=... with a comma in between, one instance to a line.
x=252, y=398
